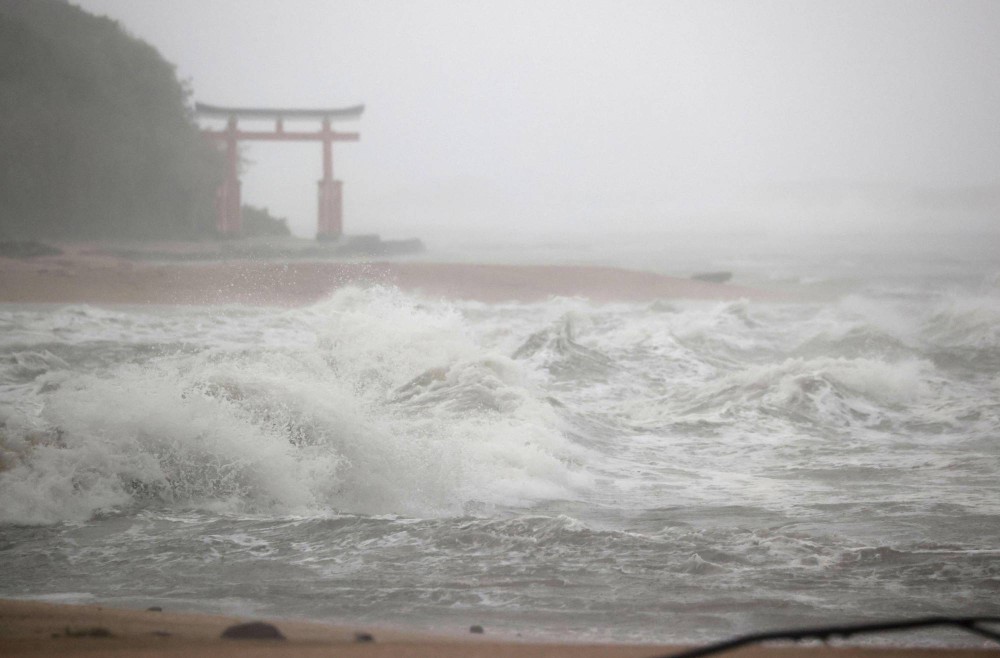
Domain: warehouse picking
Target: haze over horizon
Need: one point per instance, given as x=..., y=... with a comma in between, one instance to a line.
x=598, y=116
x=697, y=335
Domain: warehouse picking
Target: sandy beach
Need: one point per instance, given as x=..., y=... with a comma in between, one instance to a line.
x=31, y=628
x=82, y=276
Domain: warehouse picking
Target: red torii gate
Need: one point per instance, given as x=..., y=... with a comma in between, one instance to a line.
x=229, y=219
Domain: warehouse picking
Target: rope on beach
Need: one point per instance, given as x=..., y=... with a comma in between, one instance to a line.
x=825, y=633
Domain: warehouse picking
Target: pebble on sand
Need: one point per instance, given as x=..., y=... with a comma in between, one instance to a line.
x=255, y=630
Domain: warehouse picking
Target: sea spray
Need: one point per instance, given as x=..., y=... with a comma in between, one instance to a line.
x=666, y=471
x=326, y=424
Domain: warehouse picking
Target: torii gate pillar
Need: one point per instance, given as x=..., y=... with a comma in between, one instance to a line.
x=330, y=220
x=228, y=208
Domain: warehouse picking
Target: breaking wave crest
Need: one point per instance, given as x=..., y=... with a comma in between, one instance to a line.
x=386, y=406
x=713, y=467
x=379, y=402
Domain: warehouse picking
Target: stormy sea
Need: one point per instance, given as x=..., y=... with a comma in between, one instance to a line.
x=670, y=471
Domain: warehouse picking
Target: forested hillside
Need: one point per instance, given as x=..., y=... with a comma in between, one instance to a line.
x=96, y=138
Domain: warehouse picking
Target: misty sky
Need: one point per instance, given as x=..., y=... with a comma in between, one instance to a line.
x=572, y=115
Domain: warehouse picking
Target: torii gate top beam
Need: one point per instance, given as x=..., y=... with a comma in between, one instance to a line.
x=228, y=205
x=341, y=114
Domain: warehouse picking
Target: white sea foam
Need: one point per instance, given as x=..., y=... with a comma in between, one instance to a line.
x=379, y=402
x=561, y=463
x=292, y=429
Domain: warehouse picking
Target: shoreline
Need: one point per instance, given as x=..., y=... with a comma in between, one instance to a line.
x=37, y=628
x=82, y=277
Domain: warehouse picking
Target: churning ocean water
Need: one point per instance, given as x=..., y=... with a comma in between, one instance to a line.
x=668, y=471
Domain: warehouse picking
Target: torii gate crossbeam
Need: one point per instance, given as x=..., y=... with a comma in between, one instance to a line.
x=330, y=219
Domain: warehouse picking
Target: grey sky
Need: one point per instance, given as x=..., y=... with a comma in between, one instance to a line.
x=631, y=115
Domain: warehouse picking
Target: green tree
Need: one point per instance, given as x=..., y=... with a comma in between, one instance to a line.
x=260, y=221
x=97, y=138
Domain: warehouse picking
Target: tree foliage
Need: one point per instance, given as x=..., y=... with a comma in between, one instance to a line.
x=260, y=221
x=96, y=135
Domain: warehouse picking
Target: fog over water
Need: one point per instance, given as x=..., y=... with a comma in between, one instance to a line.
x=665, y=470
x=576, y=116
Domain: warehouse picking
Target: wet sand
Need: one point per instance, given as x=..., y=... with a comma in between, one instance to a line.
x=31, y=628
x=99, y=279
